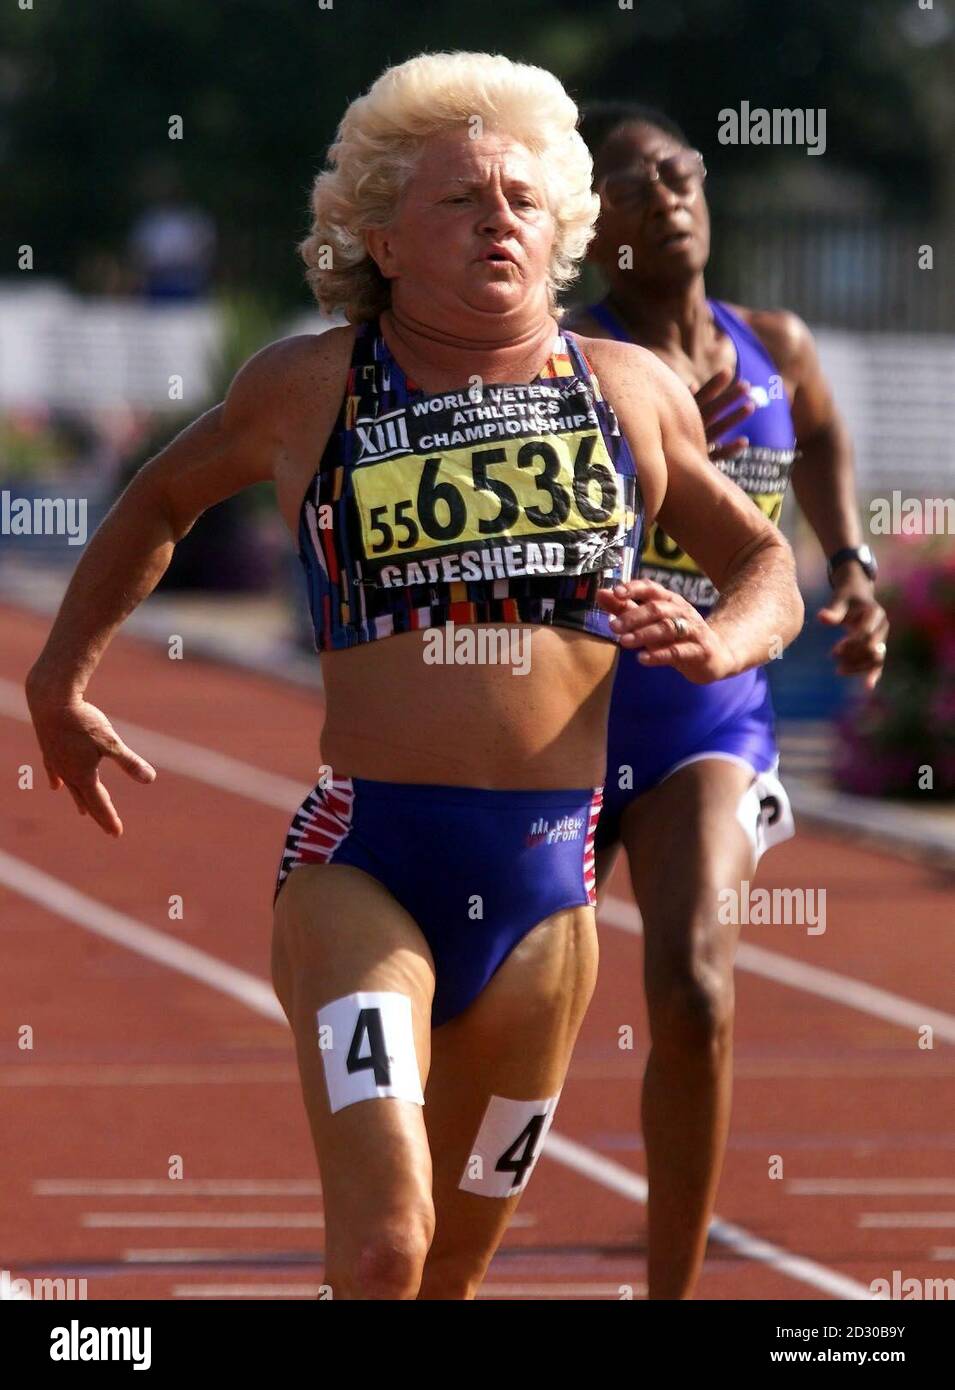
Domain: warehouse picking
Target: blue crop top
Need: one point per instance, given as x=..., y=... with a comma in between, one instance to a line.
x=762, y=469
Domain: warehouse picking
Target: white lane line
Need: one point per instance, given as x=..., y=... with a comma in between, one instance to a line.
x=224, y=1220
x=184, y=1187
x=906, y=1220
x=175, y=1255
x=258, y=996
x=200, y=1220
x=59, y=897
x=811, y=979
x=870, y=1187
x=615, y=1291
x=632, y=1185
x=247, y=1290
x=489, y=1290
x=188, y=759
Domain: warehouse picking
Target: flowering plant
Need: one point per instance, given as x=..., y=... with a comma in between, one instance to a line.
x=32, y=445
x=899, y=740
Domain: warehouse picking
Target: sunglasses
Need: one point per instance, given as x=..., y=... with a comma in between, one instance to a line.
x=682, y=173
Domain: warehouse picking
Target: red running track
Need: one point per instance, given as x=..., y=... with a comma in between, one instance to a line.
x=155, y=1038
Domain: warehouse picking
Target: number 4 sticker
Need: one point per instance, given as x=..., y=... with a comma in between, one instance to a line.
x=507, y=1146
x=372, y=1053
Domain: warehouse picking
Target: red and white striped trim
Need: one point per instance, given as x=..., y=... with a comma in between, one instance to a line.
x=590, y=869
x=321, y=823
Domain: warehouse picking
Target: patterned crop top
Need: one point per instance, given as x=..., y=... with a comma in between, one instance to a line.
x=511, y=504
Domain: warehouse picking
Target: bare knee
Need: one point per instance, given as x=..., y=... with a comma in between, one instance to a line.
x=690, y=1000
x=388, y=1262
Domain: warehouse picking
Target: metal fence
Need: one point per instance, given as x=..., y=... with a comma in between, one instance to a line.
x=838, y=271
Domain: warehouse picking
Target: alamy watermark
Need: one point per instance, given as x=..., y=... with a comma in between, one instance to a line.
x=76, y=1343
x=899, y=1288
x=479, y=646
x=779, y=126
x=11, y=1288
x=803, y=907
x=912, y=516
x=43, y=516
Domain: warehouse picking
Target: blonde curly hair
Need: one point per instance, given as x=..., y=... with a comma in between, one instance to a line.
x=376, y=150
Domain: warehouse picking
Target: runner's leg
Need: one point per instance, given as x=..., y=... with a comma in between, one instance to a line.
x=684, y=845
x=338, y=932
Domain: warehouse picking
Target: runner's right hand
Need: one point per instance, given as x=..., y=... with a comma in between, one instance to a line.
x=714, y=399
x=73, y=736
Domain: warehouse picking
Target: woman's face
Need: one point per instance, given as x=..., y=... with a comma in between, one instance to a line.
x=473, y=233
x=668, y=229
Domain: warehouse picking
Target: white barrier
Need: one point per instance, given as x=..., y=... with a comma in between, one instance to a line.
x=897, y=393
x=62, y=350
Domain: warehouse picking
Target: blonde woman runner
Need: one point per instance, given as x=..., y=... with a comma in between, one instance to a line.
x=450, y=470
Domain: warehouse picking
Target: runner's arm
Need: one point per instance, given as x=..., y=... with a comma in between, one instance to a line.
x=823, y=480
x=260, y=431
x=235, y=444
x=760, y=610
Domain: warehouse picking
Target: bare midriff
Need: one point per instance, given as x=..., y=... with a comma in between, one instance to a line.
x=391, y=716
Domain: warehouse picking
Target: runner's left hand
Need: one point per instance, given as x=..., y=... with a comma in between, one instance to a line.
x=855, y=607
x=648, y=619
x=724, y=404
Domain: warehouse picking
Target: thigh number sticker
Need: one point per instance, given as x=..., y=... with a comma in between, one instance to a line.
x=367, y=1046
x=765, y=814
x=507, y=1146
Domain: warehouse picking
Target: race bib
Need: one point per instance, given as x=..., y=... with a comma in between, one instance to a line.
x=662, y=552
x=513, y=481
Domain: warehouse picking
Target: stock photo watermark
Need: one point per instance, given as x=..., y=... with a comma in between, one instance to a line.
x=43, y=516
x=776, y=126
x=896, y=1287
x=759, y=907
x=480, y=646
x=81, y=1343
x=912, y=516
x=40, y=1288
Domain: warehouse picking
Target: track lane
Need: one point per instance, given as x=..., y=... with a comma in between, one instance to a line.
x=787, y=1043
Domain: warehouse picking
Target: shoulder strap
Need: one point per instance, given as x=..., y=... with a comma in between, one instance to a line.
x=608, y=319
x=577, y=356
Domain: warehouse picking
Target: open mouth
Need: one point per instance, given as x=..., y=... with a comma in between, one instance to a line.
x=675, y=239
x=497, y=254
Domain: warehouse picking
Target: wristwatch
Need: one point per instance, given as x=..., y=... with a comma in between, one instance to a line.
x=861, y=553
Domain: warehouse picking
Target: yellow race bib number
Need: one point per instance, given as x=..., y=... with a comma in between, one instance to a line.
x=412, y=505
x=663, y=552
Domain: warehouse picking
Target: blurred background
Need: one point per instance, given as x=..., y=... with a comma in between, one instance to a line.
x=157, y=159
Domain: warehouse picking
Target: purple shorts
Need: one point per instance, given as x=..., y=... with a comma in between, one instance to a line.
x=659, y=721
